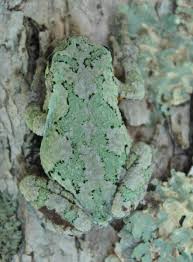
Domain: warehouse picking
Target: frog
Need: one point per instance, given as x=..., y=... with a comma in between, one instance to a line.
x=94, y=172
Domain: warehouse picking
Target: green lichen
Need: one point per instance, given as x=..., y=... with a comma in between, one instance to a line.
x=10, y=228
x=163, y=231
x=165, y=51
x=184, y=11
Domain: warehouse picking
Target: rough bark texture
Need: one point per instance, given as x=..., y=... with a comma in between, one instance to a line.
x=27, y=28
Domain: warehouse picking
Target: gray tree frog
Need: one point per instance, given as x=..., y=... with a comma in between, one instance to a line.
x=94, y=174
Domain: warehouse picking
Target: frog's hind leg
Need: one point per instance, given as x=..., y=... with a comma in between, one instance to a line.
x=35, y=119
x=133, y=187
x=58, y=205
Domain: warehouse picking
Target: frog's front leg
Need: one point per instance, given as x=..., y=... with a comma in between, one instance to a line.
x=133, y=187
x=35, y=119
x=125, y=54
x=48, y=195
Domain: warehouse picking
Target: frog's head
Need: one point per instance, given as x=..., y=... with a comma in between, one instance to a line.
x=79, y=57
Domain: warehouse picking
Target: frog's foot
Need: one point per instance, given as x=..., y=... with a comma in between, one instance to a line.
x=133, y=187
x=35, y=119
x=49, y=196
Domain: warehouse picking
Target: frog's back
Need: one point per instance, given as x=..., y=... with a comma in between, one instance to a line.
x=85, y=144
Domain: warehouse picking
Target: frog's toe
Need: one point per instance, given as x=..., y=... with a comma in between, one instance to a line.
x=35, y=119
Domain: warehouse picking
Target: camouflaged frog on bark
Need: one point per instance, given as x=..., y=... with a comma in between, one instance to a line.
x=95, y=174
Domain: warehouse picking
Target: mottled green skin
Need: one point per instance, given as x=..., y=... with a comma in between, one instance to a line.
x=85, y=144
x=165, y=43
